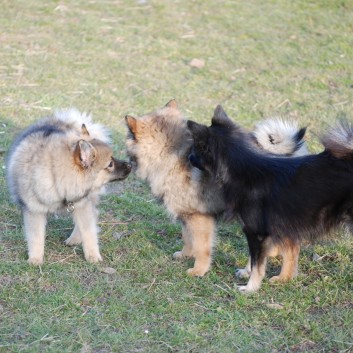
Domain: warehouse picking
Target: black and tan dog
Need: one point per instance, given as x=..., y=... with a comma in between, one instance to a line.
x=279, y=201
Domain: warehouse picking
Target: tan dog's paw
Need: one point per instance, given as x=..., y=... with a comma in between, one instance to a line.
x=196, y=272
x=276, y=279
x=279, y=278
x=179, y=255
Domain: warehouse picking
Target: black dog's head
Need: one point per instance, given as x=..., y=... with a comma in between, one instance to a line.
x=210, y=142
x=200, y=156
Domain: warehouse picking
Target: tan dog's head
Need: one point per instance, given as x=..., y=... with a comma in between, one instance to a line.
x=156, y=139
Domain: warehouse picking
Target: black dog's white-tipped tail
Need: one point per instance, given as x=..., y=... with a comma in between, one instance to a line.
x=339, y=140
x=281, y=137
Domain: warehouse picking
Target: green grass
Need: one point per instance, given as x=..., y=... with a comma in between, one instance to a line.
x=262, y=58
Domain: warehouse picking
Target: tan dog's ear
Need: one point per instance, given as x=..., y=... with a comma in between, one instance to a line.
x=84, y=130
x=131, y=123
x=172, y=104
x=84, y=154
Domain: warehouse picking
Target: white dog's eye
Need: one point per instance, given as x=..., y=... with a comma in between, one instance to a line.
x=111, y=164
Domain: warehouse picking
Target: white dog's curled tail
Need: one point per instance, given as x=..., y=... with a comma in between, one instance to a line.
x=77, y=118
x=281, y=137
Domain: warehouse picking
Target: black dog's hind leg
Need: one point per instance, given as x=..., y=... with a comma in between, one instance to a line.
x=258, y=262
x=289, y=250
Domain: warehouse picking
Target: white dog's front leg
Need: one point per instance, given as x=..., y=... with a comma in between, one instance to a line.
x=85, y=218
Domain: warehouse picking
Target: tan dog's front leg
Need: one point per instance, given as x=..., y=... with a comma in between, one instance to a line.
x=186, y=251
x=201, y=229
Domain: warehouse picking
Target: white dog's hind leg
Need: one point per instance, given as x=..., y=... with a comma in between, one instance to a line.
x=35, y=224
x=75, y=237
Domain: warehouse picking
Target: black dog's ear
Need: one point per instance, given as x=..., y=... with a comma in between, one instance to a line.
x=221, y=118
x=199, y=131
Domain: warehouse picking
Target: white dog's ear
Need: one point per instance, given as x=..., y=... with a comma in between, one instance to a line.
x=172, y=104
x=84, y=130
x=84, y=154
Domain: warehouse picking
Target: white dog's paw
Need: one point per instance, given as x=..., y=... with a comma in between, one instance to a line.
x=36, y=261
x=93, y=257
x=71, y=241
x=242, y=273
